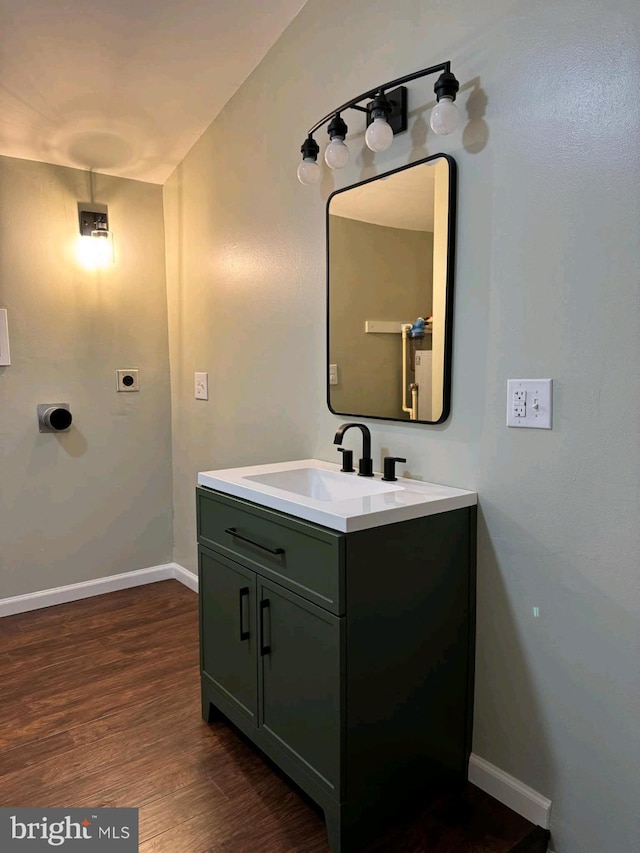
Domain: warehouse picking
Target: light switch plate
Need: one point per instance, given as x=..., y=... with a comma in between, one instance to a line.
x=201, y=388
x=529, y=403
x=5, y=355
x=333, y=374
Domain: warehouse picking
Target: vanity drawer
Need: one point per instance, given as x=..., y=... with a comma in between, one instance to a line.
x=304, y=557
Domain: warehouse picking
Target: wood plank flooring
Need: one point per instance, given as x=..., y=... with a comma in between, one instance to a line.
x=100, y=706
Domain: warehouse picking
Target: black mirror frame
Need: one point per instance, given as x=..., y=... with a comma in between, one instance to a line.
x=448, y=329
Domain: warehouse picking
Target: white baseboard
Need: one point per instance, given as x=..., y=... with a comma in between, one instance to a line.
x=185, y=577
x=87, y=589
x=510, y=791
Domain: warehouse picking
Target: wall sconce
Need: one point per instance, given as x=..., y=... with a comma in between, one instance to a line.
x=95, y=247
x=386, y=116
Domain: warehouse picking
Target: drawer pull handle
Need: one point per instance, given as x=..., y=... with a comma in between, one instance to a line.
x=244, y=635
x=233, y=532
x=264, y=650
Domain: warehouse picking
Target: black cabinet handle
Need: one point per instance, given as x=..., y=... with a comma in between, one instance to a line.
x=244, y=635
x=233, y=532
x=264, y=605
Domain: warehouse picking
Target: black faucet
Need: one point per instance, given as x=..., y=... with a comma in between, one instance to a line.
x=365, y=466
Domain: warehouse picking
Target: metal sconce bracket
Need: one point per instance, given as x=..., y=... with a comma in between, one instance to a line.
x=398, y=118
x=92, y=217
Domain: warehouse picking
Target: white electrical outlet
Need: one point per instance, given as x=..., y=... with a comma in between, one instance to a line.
x=201, y=386
x=529, y=403
x=128, y=380
x=333, y=374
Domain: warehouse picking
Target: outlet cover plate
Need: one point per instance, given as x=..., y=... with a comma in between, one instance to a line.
x=128, y=379
x=529, y=403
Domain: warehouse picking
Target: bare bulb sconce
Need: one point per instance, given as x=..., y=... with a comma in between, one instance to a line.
x=95, y=248
x=386, y=116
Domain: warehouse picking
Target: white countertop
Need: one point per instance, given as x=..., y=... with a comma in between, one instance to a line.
x=402, y=500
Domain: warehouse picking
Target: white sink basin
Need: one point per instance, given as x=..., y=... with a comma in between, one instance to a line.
x=323, y=485
x=318, y=491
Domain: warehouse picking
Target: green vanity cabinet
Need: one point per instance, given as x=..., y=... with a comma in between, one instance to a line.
x=346, y=657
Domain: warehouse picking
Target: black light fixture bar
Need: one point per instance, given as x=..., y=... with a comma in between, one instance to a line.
x=354, y=102
x=387, y=114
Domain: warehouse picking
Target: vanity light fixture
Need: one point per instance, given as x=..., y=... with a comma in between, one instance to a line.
x=379, y=135
x=336, y=154
x=386, y=116
x=308, y=170
x=445, y=116
x=95, y=249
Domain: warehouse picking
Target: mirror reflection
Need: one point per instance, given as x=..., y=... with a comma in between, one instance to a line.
x=390, y=292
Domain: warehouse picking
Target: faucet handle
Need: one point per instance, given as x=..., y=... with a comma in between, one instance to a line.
x=347, y=459
x=390, y=467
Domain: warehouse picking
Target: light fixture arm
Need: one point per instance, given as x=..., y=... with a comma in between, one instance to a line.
x=371, y=93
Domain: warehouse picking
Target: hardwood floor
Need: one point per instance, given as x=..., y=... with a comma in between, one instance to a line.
x=100, y=706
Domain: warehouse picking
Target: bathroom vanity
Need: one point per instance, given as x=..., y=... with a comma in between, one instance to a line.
x=337, y=631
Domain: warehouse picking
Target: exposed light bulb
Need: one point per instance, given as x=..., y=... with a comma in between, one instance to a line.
x=336, y=154
x=444, y=116
x=379, y=135
x=309, y=171
x=96, y=251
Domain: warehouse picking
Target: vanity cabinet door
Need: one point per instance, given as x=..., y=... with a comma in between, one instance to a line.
x=228, y=647
x=299, y=682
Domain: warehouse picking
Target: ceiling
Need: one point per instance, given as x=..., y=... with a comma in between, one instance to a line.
x=125, y=87
x=402, y=200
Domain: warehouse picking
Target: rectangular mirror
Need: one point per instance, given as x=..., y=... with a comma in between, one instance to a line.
x=390, y=256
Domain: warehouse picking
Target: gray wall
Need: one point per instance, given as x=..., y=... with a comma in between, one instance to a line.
x=394, y=282
x=95, y=501
x=546, y=285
